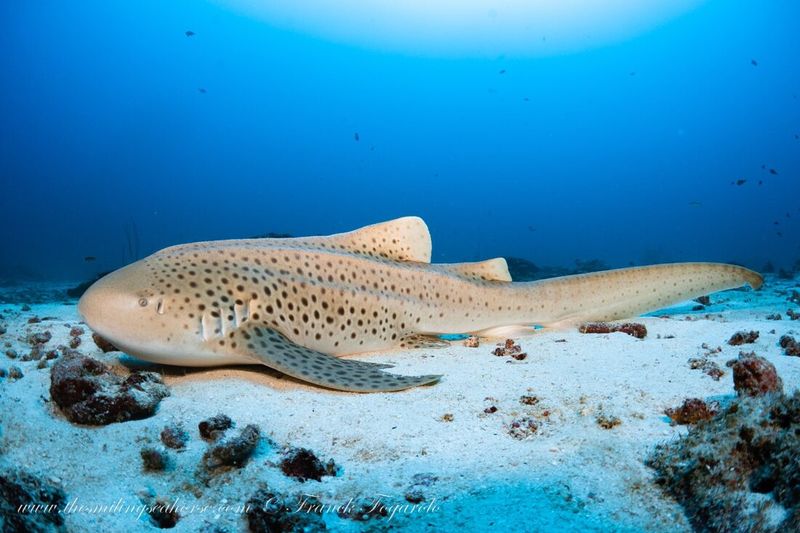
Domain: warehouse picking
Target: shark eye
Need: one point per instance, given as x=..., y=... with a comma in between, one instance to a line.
x=143, y=302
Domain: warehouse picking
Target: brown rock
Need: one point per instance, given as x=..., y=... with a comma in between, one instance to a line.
x=755, y=376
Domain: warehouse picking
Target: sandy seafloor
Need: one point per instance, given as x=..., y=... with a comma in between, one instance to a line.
x=570, y=475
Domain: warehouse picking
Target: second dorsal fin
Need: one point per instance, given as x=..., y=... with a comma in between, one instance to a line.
x=489, y=270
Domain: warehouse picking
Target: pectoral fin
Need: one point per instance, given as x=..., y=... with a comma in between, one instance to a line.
x=274, y=350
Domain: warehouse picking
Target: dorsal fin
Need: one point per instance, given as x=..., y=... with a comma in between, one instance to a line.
x=489, y=270
x=402, y=239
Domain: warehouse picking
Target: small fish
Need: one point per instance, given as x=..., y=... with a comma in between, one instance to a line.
x=779, y=234
x=740, y=182
x=356, y=137
x=695, y=204
x=202, y=90
x=189, y=33
x=776, y=223
x=632, y=73
x=502, y=71
x=760, y=182
x=89, y=258
x=526, y=99
x=754, y=62
x=773, y=172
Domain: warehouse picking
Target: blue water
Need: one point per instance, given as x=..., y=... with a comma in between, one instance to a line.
x=115, y=122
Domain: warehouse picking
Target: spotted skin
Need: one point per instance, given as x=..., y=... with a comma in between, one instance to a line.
x=297, y=304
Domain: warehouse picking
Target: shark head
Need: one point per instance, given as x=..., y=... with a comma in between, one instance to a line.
x=126, y=308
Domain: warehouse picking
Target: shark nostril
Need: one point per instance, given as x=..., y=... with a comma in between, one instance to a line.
x=160, y=307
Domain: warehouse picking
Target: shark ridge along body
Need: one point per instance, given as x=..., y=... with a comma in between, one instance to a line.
x=298, y=304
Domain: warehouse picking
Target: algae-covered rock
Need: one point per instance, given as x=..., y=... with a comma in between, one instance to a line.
x=174, y=436
x=154, y=459
x=28, y=503
x=163, y=512
x=303, y=464
x=754, y=375
x=212, y=428
x=269, y=512
x=233, y=452
x=88, y=392
x=740, y=470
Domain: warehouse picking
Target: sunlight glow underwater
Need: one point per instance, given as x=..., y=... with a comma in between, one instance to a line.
x=467, y=28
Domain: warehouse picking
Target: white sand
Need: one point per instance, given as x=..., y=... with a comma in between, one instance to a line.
x=570, y=474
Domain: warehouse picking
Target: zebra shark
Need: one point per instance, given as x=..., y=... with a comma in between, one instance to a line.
x=298, y=304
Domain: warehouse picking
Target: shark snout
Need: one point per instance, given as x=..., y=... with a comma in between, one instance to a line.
x=115, y=302
x=100, y=306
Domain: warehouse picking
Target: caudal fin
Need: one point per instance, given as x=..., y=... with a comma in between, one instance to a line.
x=629, y=292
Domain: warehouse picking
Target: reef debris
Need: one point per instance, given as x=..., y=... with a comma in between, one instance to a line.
x=738, y=471
x=163, y=513
x=709, y=367
x=214, y=427
x=692, y=411
x=509, y=348
x=523, y=428
x=790, y=345
x=88, y=392
x=472, y=341
x=743, y=337
x=303, y=464
x=608, y=421
x=268, y=512
x=154, y=459
x=15, y=373
x=754, y=376
x=629, y=328
x=40, y=338
x=234, y=451
x=174, y=436
x=103, y=344
x=19, y=488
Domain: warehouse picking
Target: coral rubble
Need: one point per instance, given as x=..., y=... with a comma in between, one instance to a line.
x=154, y=459
x=174, y=436
x=743, y=337
x=212, y=428
x=790, y=345
x=268, y=512
x=754, y=375
x=630, y=328
x=103, y=344
x=88, y=392
x=40, y=501
x=234, y=451
x=303, y=464
x=739, y=471
x=692, y=411
x=509, y=348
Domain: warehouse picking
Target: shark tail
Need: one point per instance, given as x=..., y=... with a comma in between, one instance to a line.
x=629, y=292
